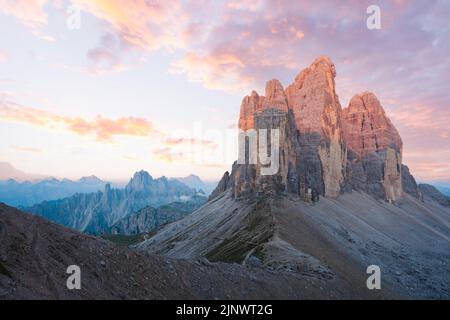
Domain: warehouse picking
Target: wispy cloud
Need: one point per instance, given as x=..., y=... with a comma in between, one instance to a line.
x=190, y=141
x=220, y=71
x=103, y=129
x=148, y=25
x=426, y=168
x=26, y=149
x=187, y=150
x=30, y=13
x=3, y=56
x=105, y=57
x=171, y=155
x=128, y=157
x=167, y=154
x=422, y=115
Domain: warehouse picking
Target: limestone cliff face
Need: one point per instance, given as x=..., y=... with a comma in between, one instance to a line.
x=250, y=105
x=392, y=182
x=317, y=111
x=367, y=128
x=323, y=150
x=279, y=172
x=409, y=184
x=264, y=113
x=312, y=92
x=312, y=152
x=376, y=147
x=254, y=104
x=275, y=96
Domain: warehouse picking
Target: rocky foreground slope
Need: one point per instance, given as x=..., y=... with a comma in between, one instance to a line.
x=334, y=239
x=340, y=200
x=35, y=253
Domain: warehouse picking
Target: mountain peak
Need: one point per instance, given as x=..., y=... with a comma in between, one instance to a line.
x=275, y=96
x=192, y=181
x=141, y=179
x=107, y=188
x=312, y=96
x=366, y=100
x=316, y=114
x=323, y=60
x=142, y=174
x=192, y=177
x=90, y=179
x=250, y=105
x=367, y=127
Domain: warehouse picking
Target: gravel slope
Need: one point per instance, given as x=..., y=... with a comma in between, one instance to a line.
x=333, y=240
x=35, y=253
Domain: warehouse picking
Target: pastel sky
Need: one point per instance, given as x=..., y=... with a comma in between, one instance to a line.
x=157, y=85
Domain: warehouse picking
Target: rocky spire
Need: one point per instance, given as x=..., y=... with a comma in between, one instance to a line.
x=275, y=99
x=140, y=181
x=317, y=112
x=316, y=158
x=313, y=94
x=367, y=128
x=376, y=147
x=250, y=104
x=275, y=96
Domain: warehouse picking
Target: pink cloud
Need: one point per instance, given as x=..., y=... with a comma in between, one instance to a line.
x=246, y=5
x=425, y=132
x=169, y=155
x=217, y=71
x=3, y=56
x=144, y=24
x=105, y=57
x=26, y=149
x=103, y=129
x=30, y=13
x=190, y=141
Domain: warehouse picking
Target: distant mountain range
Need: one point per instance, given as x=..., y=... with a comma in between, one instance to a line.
x=195, y=182
x=443, y=187
x=149, y=218
x=444, y=190
x=21, y=189
x=433, y=193
x=8, y=171
x=27, y=193
x=97, y=212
